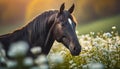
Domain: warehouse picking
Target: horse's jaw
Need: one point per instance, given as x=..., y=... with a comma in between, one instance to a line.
x=73, y=46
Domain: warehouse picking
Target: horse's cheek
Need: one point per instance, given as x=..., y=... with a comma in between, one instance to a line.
x=58, y=32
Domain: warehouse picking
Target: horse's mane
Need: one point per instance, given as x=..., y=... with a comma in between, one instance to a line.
x=34, y=29
x=41, y=20
x=39, y=25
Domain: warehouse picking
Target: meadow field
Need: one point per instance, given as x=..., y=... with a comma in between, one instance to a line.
x=100, y=43
x=100, y=25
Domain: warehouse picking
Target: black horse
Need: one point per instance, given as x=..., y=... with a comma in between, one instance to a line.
x=51, y=25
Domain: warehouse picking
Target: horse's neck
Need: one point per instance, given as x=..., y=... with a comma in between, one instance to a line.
x=44, y=37
x=48, y=43
x=50, y=36
x=17, y=35
x=4, y=39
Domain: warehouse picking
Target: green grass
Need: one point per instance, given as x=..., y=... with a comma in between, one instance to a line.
x=104, y=25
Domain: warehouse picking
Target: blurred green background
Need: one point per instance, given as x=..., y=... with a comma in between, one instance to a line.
x=92, y=15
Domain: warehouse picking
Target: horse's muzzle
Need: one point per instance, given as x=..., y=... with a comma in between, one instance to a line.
x=75, y=49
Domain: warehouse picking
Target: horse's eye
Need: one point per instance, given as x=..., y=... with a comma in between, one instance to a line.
x=63, y=24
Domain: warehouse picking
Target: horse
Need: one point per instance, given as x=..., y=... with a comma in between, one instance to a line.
x=42, y=31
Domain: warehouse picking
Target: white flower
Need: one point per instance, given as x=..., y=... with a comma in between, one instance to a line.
x=113, y=62
x=86, y=48
x=95, y=43
x=75, y=68
x=71, y=61
x=72, y=65
x=84, y=55
x=56, y=58
x=104, y=53
x=34, y=67
x=28, y=61
x=62, y=53
x=18, y=49
x=77, y=32
x=44, y=66
x=42, y=59
x=11, y=64
x=84, y=67
x=2, y=59
x=114, y=27
x=107, y=34
x=96, y=66
x=92, y=33
x=36, y=50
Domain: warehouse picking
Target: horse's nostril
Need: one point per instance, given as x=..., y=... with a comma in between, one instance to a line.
x=74, y=48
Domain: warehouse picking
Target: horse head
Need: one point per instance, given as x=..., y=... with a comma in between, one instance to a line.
x=64, y=30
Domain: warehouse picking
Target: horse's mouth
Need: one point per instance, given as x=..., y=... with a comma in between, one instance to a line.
x=73, y=47
x=74, y=52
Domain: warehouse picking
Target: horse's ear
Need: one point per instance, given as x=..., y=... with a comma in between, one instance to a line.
x=72, y=8
x=62, y=8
